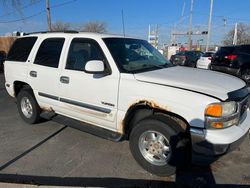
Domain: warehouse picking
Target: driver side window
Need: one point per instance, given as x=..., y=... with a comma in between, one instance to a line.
x=81, y=51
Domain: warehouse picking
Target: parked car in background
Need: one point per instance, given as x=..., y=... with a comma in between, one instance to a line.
x=205, y=60
x=233, y=60
x=186, y=58
x=2, y=58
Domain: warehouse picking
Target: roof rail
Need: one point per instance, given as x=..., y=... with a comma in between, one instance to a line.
x=42, y=32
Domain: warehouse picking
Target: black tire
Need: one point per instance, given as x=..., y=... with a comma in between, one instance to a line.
x=36, y=110
x=193, y=64
x=180, y=154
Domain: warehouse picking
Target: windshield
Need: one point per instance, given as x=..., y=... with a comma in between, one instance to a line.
x=134, y=55
x=208, y=54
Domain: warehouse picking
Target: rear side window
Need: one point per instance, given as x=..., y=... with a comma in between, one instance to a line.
x=223, y=51
x=245, y=49
x=21, y=48
x=49, y=52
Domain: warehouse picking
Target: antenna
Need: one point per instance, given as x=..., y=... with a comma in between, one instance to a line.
x=123, y=24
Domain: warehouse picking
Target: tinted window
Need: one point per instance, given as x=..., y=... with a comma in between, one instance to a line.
x=2, y=56
x=208, y=54
x=245, y=49
x=49, y=52
x=181, y=53
x=223, y=51
x=21, y=48
x=81, y=51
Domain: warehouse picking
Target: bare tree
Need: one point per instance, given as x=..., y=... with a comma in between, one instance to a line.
x=16, y=4
x=243, y=35
x=95, y=26
x=61, y=26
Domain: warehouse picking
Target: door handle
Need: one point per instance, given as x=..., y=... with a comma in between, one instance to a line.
x=33, y=73
x=64, y=79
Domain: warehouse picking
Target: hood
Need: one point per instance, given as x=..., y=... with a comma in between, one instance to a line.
x=202, y=81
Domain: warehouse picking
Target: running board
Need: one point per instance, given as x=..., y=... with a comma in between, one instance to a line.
x=85, y=127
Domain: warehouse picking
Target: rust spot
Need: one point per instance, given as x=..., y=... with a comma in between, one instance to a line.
x=47, y=109
x=152, y=104
x=121, y=127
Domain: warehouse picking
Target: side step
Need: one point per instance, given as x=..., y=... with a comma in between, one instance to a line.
x=85, y=127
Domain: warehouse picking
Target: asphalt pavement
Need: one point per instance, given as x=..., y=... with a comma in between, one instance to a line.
x=53, y=154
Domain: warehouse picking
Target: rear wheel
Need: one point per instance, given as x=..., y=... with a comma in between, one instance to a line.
x=159, y=146
x=27, y=106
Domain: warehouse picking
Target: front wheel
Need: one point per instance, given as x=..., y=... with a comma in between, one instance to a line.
x=27, y=106
x=159, y=146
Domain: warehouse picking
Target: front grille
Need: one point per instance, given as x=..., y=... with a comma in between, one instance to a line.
x=244, y=105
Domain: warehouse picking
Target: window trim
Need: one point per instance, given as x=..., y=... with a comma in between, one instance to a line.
x=108, y=69
x=61, y=54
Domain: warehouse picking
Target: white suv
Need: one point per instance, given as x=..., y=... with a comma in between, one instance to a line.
x=125, y=89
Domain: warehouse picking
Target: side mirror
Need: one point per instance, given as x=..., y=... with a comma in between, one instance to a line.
x=94, y=67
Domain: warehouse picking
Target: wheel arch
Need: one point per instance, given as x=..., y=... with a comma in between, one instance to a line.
x=19, y=85
x=145, y=108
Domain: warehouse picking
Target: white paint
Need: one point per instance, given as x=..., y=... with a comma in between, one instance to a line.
x=176, y=89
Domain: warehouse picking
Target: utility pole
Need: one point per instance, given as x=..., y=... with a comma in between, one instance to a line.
x=209, y=24
x=190, y=25
x=235, y=34
x=48, y=15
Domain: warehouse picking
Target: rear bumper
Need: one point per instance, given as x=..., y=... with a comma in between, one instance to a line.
x=213, y=143
x=202, y=66
x=229, y=70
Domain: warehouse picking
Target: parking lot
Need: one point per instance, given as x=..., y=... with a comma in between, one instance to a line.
x=50, y=153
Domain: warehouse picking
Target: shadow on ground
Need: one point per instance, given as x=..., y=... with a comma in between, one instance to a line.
x=195, y=176
x=193, y=181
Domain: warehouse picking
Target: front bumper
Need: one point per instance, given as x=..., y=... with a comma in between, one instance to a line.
x=218, y=142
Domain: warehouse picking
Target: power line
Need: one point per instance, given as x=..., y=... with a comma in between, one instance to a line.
x=225, y=17
x=23, y=19
x=39, y=13
x=21, y=8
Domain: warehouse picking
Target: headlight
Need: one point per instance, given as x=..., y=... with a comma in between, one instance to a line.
x=221, y=109
x=221, y=115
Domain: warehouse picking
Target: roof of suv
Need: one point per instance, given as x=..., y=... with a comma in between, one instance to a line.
x=235, y=46
x=75, y=33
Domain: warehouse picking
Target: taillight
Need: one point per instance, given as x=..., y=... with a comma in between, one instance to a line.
x=231, y=57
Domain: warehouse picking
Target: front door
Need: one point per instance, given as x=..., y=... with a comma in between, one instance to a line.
x=91, y=98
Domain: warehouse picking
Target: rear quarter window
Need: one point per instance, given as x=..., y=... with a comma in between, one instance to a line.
x=21, y=49
x=223, y=51
x=245, y=49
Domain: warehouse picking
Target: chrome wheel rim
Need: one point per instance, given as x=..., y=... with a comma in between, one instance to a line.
x=26, y=107
x=154, y=147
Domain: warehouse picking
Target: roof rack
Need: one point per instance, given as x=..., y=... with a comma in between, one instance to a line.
x=42, y=32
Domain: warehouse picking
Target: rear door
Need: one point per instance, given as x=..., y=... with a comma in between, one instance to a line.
x=44, y=71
